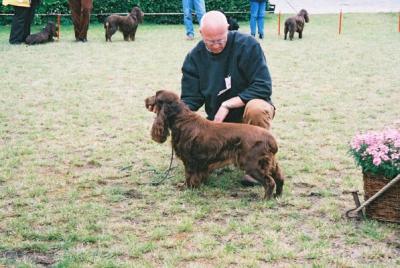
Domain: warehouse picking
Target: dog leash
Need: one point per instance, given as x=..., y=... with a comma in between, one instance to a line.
x=166, y=173
x=164, y=177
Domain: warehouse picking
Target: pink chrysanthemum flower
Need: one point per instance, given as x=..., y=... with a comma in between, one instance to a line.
x=378, y=152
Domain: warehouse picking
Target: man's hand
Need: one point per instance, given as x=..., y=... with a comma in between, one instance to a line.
x=221, y=113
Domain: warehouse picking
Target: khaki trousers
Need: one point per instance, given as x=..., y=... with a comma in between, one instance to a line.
x=260, y=113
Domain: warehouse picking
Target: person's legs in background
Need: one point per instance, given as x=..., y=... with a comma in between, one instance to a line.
x=200, y=8
x=253, y=17
x=75, y=6
x=87, y=6
x=18, y=25
x=29, y=18
x=260, y=19
x=187, y=18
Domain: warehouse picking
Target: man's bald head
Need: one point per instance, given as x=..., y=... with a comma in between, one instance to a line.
x=214, y=31
x=214, y=21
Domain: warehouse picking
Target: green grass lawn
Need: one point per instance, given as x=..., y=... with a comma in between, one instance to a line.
x=72, y=117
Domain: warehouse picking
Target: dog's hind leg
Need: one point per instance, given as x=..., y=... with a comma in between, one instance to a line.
x=258, y=169
x=266, y=181
x=269, y=187
x=279, y=179
x=112, y=31
x=291, y=35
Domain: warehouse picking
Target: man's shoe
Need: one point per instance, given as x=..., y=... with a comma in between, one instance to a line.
x=189, y=37
x=248, y=181
x=15, y=42
x=226, y=169
x=261, y=36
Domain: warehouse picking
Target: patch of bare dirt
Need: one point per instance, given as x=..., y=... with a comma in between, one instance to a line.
x=132, y=193
x=40, y=258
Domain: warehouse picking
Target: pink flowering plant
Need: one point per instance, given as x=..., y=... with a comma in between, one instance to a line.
x=378, y=153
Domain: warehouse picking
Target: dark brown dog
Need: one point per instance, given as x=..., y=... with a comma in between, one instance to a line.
x=296, y=24
x=126, y=24
x=46, y=35
x=204, y=145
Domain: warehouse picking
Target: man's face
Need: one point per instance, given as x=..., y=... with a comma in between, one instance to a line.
x=215, y=40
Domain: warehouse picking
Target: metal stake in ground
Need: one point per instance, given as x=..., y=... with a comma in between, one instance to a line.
x=340, y=21
x=279, y=23
x=59, y=26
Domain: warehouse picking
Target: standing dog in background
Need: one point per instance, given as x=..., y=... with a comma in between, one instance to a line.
x=126, y=24
x=46, y=35
x=80, y=12
x=296, y=24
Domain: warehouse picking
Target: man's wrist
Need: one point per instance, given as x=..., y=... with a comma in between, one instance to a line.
x=225, y=105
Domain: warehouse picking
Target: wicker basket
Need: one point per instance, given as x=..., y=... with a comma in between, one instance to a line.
x=387, y=206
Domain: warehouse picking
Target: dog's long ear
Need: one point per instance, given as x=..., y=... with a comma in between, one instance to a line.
x=138, y=14
x=159, y=130
x=306, y=17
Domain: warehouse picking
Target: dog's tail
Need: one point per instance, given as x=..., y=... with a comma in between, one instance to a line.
x=272, y=144
x=106, y=26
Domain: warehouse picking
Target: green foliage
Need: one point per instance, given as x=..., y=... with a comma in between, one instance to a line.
x=117, y=6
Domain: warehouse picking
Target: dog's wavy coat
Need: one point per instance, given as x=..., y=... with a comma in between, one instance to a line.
x=46, y=35
x=296, y=24
x=204, y=145
x=126, y=24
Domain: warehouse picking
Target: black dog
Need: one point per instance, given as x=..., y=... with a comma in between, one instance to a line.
x=233, y=24
x=46, y=35
x=296, y=24
x=126, y=24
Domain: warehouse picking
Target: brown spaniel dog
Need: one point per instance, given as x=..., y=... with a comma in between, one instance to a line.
x=296, y=24
x=126, y=24
x=204, y=145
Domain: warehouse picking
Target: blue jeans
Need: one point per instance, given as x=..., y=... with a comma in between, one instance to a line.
x=188, y=5
x=257, y=13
